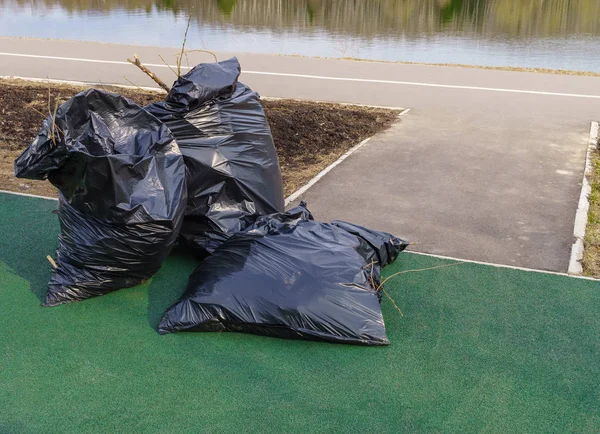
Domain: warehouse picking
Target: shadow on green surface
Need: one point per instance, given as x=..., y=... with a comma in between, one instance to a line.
x=34, y=233
x=169, y=283
x=31, y=235
x=478, y=349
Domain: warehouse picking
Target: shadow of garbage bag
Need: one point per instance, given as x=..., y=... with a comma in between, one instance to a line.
x=122, y=193
x=233, y=172
x=290, y=276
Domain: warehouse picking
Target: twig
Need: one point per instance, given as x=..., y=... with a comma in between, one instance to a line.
x=203, y=51
x=52, y=138
x=149, y=73
x=393, y=302
x=49, y=110
x=44, y=116
x=380, y=287
x=133, y=84
x=167, y=65
x=180, y=57
x=49, y=258
x=29, y=106
x=418, y=271
x=53, y=116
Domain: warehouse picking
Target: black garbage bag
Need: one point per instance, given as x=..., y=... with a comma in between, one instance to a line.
x=289, y=276
x=122, y=193
x=224, y=136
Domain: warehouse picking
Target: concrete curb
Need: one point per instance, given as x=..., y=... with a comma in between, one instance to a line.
x=159, y=90
x=402, y=110
x=581, y=218
x=79, y=83
x=295, y=195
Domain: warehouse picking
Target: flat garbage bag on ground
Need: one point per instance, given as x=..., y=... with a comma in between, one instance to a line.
x=122, y=193
x=223, y=133
x=289, y=276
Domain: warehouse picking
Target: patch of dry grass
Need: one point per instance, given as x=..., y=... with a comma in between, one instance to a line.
x=308, y=135
x=591, y=256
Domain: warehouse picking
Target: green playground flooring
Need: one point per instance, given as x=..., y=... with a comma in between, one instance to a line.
x=479, y=348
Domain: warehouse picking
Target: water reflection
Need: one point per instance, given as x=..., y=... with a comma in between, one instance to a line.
x=370, y=17
x=547, y=33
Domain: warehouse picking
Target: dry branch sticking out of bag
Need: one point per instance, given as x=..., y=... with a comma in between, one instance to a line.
x=136, y=61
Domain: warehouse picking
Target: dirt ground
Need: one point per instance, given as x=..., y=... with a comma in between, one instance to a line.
x=308, y=136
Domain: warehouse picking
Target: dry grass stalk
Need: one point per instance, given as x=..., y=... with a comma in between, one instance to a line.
x=591, y=255
x=167, y=65
x=53, y=117
x=417, y=271
x=136, y=61
x=202, y=51
x=380, y=286
x=180, y=57
x=49, y=258
x=55, y=128
x=372, y=265
x=393, y=302
x=133, y=84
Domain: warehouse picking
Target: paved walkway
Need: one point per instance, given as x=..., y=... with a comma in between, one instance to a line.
x=478, y=349
x=486, y=166
x=477, y=186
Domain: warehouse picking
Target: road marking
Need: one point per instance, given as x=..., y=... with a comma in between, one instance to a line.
x=581, y=217
x=74, y=59
x=414, y=83
x=510, y=267
x=319, y=77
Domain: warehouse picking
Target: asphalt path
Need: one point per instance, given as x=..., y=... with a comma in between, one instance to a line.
x=486, y=166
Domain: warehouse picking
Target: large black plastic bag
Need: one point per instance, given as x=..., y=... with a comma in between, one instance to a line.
x=289, y=276
x=233, y=170
x=122, y=193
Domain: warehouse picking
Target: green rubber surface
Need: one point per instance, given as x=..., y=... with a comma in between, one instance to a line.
x=479, y=349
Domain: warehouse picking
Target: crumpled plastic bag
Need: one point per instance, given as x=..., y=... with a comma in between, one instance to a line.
x=122, y=193
x=224, y=136
x=289, y=276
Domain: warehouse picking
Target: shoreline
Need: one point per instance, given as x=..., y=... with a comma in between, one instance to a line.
x=550, y=71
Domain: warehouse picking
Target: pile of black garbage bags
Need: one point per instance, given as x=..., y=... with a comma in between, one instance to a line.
x=200, y=169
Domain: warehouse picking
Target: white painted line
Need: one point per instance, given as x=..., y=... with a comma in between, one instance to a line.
x=413, y=83
x=28, y=195
x=74, y=59
x=323, y=172
x=510, y=267
x=402, y=110
x=318, y=77
x=583, y=207
x=80, y=59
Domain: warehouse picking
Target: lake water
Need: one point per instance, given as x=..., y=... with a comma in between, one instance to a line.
x=557, y=34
